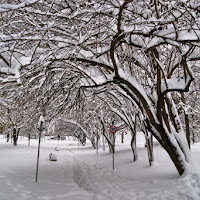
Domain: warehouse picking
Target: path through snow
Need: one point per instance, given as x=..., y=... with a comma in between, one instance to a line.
x=105, y=183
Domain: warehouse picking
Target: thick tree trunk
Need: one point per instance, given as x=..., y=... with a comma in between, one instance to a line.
x=177, y=154
x=103, y=141
x=29, y=139
x=176, y=157
x=187, y=122
x=122, y=137
x=92, y=140
x=133, y=140
x=133, y=146
x=149, y=144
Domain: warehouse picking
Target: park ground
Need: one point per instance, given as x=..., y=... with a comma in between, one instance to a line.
x=82, y=173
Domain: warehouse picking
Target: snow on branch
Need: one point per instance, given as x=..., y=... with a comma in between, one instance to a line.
x=79, y=125
x=175, y=84
x=8, y=7
x=189, y=34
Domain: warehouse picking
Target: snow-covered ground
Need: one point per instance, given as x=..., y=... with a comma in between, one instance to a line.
x=81, y=173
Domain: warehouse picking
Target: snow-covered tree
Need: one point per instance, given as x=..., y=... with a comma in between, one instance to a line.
x=146, y=48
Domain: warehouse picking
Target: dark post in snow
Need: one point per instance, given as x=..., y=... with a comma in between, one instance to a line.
x=40, y=128
x=97, y=145
x=29, y=139
x=113, y=130
x=78, y=137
